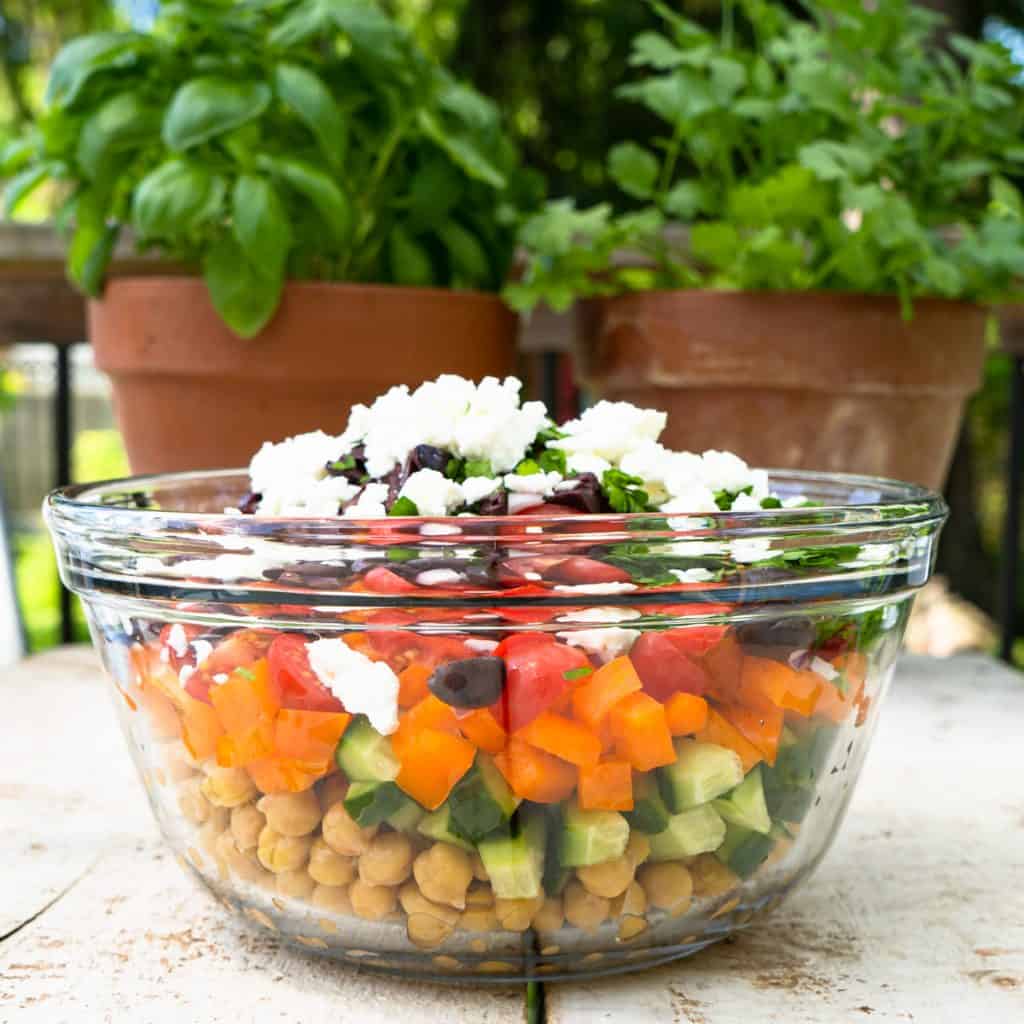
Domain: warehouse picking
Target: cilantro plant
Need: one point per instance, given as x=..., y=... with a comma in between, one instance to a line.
x=846, y=152
x=264, y=140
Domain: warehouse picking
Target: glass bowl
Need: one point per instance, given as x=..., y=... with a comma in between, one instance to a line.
x=619, y=737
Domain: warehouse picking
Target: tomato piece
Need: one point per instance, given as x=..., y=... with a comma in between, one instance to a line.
x=299, y=687
x=172, y=639
x=535, y=676
x=384, y=581
x=696, y=641
x=238, y=650
x=665, y=669
x=198, y=685
x=579, y=570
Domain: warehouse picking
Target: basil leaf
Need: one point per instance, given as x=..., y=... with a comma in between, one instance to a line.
x=261, y=224
x=82, y=59
x=244, y=295
x=207, y=107
x=176, y=199
x=330, y=200
x=123, y=122
x=307, y=95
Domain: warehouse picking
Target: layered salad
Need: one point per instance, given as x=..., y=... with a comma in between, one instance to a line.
x=577, y=759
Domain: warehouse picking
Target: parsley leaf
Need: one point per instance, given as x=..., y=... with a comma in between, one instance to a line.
x=477, y=467
x=625, y=493
x=573, y=674
x=553, y=460
x=404, y=507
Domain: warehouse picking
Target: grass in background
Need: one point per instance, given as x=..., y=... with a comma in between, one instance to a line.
x=97, y=455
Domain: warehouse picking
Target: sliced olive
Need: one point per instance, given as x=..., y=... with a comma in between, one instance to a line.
x=788, y=634
x=469, y=682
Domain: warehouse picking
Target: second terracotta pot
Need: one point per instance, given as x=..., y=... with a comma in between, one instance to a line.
x=189, y=394
x=839, y=383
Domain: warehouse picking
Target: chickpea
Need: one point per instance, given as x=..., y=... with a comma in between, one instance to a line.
x=638, y=849
x=480, y=895
x=295, y=884
x=516, y=915
x=282, y=853
x=228, y=787
x=479, y=871
x=211, y=831
x=711, y=877
x=427, y=931
x=332, y=790
x=292, y=814
x=178, y=762
x=328, y=867
x=478, y=919
x=551, y=915
x=583, y=909
x=608, y=880
x=343, y=835
x=191, y=802
x=415, y=903
x=242, y=865
x=246, y=825
x=372, y=902
x=633, y=902
x=332, y=898
x=443, y=874
x=668, y=887
x=388, y=861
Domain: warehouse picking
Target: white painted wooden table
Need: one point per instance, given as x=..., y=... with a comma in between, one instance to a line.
x=917, y=914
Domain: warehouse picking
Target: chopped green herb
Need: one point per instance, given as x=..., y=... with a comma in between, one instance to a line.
x=477, y=467
x=551, y=434
x=724, y=499
x=770, y=502
x=455, y=469
x=552, y=460
x=625, y=493
x=527, y=468
x=402, y=554
x=404, y=507
x=342, y=464
x=246, y=673
x=578, y=673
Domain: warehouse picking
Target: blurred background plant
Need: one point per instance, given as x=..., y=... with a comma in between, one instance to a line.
x=553, y=65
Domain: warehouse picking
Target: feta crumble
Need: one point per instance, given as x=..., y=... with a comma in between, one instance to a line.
x=595, y=588
x=604, y=644
x=432, y=492
x=365, y=687
x=611, y=429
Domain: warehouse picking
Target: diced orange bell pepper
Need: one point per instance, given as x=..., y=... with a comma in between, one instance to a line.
x=724, y=665
x=432, y=762
x=853, y=665
x=686, y=713
x=723, y=733
x=562, y=737
x=483, y=730
x=246, y=700
x=412, y=685
x=308, y=735
x=607, y=786
x=239, y=751
x=761, y=726
x=535, y=775
x=201, y=729
x=781, y=685
x=593, y=699
x=429, y=713
x=286, y=774
x=642, y=736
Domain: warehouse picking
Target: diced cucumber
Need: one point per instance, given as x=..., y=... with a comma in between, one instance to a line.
x=744, y=850
x=698, y=830
x=649, y=812
x=556, y=877
x=592, y=837
x=702, y=771
x=789, y=784
x=407, y=817
x=745, y=805
x=481, y=803
x=515, y=863
x=438, y=826
x=370, y=803
x=364, y=755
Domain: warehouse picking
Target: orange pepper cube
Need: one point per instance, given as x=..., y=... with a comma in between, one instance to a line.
x=535, y=775
x=412, y=685
x=484, y=731
x=593, y=699
x=723, y=733
x=309, y=735
x=607, y=786
x=562, y=737
x=432, y=762
x=686, y=714
x=246, y=700
x=642, y=736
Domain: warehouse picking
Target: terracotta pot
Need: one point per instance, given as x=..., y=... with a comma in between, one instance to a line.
x=793, y=380
x=191, y=395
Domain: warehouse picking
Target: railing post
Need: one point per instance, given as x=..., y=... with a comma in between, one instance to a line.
x=1012, y=539
x=62, y=434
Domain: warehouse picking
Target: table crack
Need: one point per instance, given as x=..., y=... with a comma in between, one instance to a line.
x=46, y=906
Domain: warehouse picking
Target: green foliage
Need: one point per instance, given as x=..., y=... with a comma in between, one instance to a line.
x=845, y=153
x=261, y=141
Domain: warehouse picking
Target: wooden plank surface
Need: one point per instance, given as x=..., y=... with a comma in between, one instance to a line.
x=916, y=914
x=98, y=922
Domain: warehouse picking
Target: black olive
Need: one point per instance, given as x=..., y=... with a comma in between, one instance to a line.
x=495, y=504
x=426, y=456
x=783, y=634
x=469, y=682
x=584, y=496
x=250, y=503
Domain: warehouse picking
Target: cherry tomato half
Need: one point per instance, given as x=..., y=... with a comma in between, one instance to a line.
x=297, y=683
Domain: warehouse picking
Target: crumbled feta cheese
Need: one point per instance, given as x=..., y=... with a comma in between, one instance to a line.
x=203, y=649
x=665, y=473
x=581, y=462
x=220, y=678
x=692, y=575
x=520, y=502
x=185, y=673
x=439, y=578
x=825, y=669
x=872, y=555
x=481, y=646
x=432, y=492
x=746, y=503
x=723, y=471
x=697, y=500
x=292, y=476
x=532, y=576
x=611, y=429
x=365, y=687
x=604, y=644
x=601, y=615
x=177, y=640
x=495, y=427
x=439, y=530
x=796, y=501
x=476, y=488
x=751, y=549
x=535, y=483
x=370, y=504
x=534, y=529
x=595, y=588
